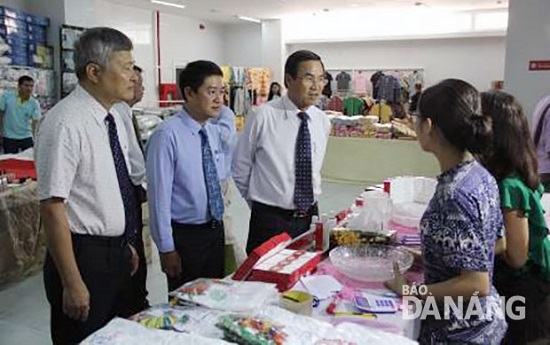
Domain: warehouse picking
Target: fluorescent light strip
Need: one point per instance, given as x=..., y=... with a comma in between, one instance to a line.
x=249, y=19
x=166, y=3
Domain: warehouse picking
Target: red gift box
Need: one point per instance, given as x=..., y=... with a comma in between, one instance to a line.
x=272, y=262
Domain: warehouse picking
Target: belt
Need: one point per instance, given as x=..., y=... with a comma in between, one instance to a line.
x=103, y=241
x=213, y=224
x=313, y=210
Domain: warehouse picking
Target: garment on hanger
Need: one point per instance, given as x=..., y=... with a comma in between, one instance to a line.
x=353, y=106
x=336, y=104
x=360, y=82
x=343, y=79
x=414, y=78
x=389, y=89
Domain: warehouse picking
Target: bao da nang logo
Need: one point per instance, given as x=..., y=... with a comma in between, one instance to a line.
x=460, y=308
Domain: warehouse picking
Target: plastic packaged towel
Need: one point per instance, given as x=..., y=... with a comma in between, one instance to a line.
x=228, y=295
x=197, y=320
x=123, y=332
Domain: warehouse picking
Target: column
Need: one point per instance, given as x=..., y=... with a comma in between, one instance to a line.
x=528, y=40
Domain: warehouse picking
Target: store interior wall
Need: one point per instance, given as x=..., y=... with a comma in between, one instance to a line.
x=529, y=39
x=248, y=44
x=477, y=60
x=242, y=44
x=20, y=4
x=137, y=24
x=182, y=40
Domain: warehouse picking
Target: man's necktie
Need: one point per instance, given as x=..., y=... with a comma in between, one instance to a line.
x=124, y=182
x=303, y=188
x=213, y=189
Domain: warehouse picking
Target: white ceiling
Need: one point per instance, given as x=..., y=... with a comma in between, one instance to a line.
x=224, y=11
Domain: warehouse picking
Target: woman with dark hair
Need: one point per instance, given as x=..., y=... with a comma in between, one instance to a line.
x=460, y=226
x=274, y=91
x=522, y=265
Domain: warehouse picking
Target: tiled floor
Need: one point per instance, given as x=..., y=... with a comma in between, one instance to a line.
x=24, y=311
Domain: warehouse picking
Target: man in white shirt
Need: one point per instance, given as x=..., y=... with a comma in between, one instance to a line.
x=138, y=298
x=86, y=196
x=277, y=164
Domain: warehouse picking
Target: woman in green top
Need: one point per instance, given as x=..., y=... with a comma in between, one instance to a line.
x=522, y=264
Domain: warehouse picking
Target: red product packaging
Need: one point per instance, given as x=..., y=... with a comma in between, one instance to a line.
x=244, y=271
x=286, y=267
x=272, y=262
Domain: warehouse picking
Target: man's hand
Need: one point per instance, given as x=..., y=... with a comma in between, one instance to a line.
x=171, y=264
x=76, y=301
x=134, y=260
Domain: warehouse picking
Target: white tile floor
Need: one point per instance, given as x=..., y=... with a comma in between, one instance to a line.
x=24, y=310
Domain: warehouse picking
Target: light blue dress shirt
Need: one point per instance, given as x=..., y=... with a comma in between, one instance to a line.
x=176, y=187
x=18, y=116
x=228, y=137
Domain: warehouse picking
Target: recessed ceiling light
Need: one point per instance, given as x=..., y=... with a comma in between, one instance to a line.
x=166, y=3
x=354, y=5
x=249, y=19
x=326, y=10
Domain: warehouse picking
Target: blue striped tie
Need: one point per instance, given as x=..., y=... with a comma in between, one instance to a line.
x=215, y=199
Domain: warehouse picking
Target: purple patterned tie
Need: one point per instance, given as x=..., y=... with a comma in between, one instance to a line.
x=303, y=188
x=124, y=182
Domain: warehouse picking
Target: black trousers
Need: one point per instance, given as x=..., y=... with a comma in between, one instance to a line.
x=17, y=145
x=104, y=265
x=139, y=293
x=545, y=180
x=267, y=221
x=536, y=291
x=201, y=249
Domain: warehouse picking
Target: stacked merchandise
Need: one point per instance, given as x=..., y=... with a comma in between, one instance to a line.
x=44, y=86
x=69, y=35
x=270, y=325
x=23, y=39
x=353, y=126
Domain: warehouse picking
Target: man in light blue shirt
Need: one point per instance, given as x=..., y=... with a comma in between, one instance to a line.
x=19, y=109
x=185, y=161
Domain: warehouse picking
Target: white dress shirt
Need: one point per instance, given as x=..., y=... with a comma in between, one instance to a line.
x=135, y=155
x=263, y=167
x=74, y=162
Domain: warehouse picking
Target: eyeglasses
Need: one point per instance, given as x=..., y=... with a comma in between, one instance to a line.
x=309, y=80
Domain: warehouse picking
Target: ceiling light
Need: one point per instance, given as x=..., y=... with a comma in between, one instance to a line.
x=166, y=3
x=249, y=19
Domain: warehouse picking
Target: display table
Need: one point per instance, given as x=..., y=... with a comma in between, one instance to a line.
x=22, y=247
x=371, y=161
x=392, y=323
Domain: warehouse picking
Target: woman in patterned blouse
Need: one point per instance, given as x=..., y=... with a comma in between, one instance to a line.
x=460, y=226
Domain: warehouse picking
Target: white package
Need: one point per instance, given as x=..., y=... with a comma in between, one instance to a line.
x=123, y=332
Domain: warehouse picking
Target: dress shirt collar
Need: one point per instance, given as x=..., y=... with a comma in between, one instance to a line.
x=193, y=125
x=98, y=111
x=291, y=109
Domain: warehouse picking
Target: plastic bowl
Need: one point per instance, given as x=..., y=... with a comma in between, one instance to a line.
x=370, y=263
